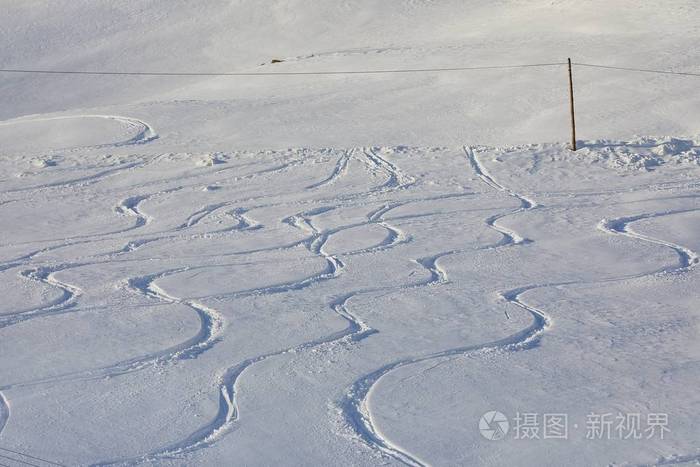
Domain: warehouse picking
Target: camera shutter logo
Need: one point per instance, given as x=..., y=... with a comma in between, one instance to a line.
x=494, y=425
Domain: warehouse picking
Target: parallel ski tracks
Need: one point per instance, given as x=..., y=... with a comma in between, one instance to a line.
x=340, y=169
x=356, y=405
x=228, y=381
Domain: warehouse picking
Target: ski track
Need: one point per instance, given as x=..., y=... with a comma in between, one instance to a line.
x=244, y=222
x=620, y=226
x=395, y=236
x=126, y=207
x=144, y=132
x=81, y=181
x=237, y=214
x=45, y=274
x=355, y=331
x=63, y=304
x=526, y=204
x=340, y=169
x=194, y=219
x=228, y=381
x=212, y=323
x=130, y=207
x=314, y=243
x=687, y=259
x=396, y=179
x=4, y=412
x=356, y=405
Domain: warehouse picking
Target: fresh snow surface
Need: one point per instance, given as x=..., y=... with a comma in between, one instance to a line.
x=346, y=270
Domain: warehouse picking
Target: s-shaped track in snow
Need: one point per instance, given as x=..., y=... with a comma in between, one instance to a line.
x=228, y=381
x=356, y=405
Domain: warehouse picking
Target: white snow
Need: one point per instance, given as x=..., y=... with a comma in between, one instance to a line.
x=346, y=270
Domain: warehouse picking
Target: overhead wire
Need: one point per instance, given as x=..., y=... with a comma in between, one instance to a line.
x=273, y=73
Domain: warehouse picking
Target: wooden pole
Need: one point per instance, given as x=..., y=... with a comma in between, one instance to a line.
x=571, y=107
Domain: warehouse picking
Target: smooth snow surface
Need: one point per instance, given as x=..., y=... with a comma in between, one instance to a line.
x=345, y=270
x=494, y=107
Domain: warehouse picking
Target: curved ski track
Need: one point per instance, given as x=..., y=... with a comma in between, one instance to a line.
x=144, y=132
x=341, y=169
x=211, y=322
x=356, y=329
x=620, y=226
x=211, y=328
x=82, y=181
x=355, y=406
x=130, y=207
x=44, y=274
x=687, y=259
x=396, y=179
x=67, y=300
x=228, y=381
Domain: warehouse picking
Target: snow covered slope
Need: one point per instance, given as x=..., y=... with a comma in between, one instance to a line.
x=487, y=107
x=344, y=306
x=338, y=270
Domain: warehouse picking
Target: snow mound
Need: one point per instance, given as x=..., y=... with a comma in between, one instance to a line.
x=209, y=160
x=643, y=153
x=42, y=163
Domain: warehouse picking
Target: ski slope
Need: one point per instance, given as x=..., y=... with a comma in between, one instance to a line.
x=345, y=270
